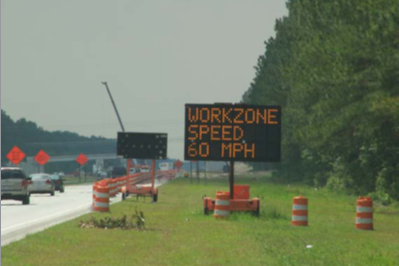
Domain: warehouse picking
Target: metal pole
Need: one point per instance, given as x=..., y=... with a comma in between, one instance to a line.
x=231, y=179
x=80, y=170
x=113, y=103
x=153, y=174
x=198, y=180
x=191, y=172
x=205, y=172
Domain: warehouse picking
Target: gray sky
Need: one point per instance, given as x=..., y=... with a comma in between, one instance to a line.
x=155, y=55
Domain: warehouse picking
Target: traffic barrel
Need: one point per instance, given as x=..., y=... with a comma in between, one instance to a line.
x=364, y=213
x=94, y=194
x=300, y=211
x=101, y=203
x=113, y=187
x=222, y=205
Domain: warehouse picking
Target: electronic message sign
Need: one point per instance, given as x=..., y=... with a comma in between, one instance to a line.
x=227, y=132
x=142, y=145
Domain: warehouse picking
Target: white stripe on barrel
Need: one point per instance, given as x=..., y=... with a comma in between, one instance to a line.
x=222, y=205
x=222, y=202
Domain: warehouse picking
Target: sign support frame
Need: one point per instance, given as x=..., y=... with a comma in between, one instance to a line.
x=191, y=172
x=231, y=179
x=153, y=174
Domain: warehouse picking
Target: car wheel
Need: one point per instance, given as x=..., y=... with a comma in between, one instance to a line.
x=62, y=190
x=26, y=200
x=52, y=193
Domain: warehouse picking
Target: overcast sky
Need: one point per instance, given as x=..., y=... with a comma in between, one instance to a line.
x=155, y=55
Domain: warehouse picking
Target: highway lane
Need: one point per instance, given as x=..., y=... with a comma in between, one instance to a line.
x=44, y=211
x=18, y=220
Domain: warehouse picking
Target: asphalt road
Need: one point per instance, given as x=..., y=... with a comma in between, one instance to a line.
x=18, y=220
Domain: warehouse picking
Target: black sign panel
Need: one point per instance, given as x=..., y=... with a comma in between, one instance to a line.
x=227, y=132
x=142, y=145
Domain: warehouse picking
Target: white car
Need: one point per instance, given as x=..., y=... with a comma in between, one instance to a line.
x=145, y=169
x=132, y=171
x=102, y=174
x=41, y=183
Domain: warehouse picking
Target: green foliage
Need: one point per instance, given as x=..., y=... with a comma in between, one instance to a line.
x=333, y=67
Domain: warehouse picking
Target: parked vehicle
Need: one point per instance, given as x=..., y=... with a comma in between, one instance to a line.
x=132, y=171
x=14, y=185
x=41, y=183
x=58, y=183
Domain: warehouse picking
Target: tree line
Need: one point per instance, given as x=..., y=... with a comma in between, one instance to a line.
x=31, y=138
x=333, y=66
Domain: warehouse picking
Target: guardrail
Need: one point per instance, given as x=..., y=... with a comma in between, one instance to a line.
x=107, y=188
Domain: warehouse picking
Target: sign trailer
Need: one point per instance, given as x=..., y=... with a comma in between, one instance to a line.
x=143, y=146
x=232, y=132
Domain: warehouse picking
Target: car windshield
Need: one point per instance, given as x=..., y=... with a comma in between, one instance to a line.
x=36, y=177
x=11, y=174
x=55, y=177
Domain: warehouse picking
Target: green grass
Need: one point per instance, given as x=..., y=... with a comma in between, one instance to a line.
x=179, y=233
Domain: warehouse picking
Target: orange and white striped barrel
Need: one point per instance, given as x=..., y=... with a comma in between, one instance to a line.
x=101, y=203
x=118, y=185
x=364, y=213
x=94, y=194
x=300, y=211
x=222, y=205
x=113, y=187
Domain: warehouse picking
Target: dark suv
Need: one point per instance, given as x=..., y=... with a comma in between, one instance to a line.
x=118, y=171
x=58, y=182
x=14, y=185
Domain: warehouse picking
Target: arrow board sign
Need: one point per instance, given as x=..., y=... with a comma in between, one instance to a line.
x=142, y=145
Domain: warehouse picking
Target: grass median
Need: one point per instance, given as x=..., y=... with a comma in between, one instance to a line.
x=179, y=234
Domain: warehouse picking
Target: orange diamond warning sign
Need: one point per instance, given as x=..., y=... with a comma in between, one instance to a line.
x=16, y=155
x=42, y=157
x=82, y=159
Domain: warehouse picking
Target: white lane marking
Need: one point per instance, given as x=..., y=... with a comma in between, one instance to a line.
x=44, y=218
